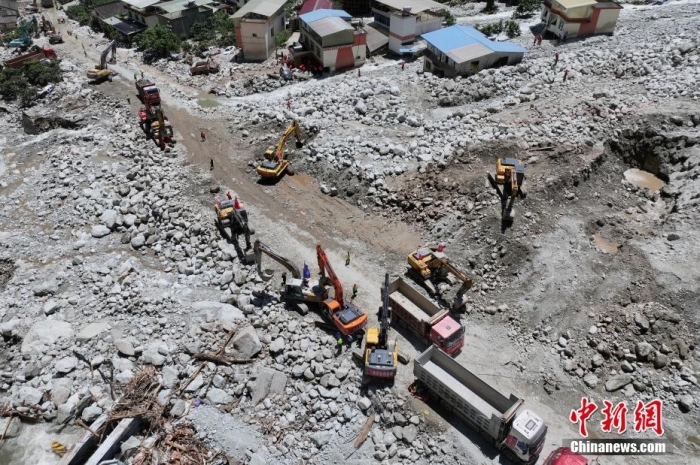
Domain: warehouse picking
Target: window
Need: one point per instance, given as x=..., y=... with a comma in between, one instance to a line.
x=272, y=32
x=255, y=35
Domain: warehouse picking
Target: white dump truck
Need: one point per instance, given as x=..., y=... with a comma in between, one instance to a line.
x=517, y=432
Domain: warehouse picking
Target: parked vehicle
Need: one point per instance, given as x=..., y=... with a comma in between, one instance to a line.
x=36, y=54
x=148, y=92
x=517, y=432
x=432, y=324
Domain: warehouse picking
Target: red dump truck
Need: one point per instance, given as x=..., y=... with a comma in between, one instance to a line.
x=565, y=456
x=35, y=54
x=148, y=92
x=516, y=431
x=412, y=310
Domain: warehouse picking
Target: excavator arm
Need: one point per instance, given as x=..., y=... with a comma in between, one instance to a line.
x=291, y=129
x=467, y=282
x=325, y=267
x=384, y=315
x=259, y=248
x=103, y=57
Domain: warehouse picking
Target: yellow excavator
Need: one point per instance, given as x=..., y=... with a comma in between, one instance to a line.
x=510, y=174
x=275, y=160
x=101, y=71
x=429, y=265
x=381, y=354
x=298, y=289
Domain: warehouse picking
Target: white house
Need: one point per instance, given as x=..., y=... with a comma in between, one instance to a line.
x=332, y=39
x=256, y=26
x=406, y=20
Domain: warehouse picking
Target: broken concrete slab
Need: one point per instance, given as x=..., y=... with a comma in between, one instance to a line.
x=269, y=381
x=92, y=330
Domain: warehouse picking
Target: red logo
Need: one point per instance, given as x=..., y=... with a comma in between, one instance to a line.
x=614, y=417
x=649, y=417
x=582, y=415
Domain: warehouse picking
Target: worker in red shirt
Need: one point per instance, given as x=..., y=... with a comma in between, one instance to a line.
x=566, y=73
x=202, y=135
x=289, y=104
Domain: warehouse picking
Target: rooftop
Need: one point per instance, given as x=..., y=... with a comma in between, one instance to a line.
x=265, y=8
x=313, y=5
x=575, y=3
x=321, y=14
x=416, y=6
x=328, y=26
x=180, y=5
x=140, y=3
x=454, y=37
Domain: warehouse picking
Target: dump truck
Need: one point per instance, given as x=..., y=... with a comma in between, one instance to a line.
x=35, y=54
x=148, y=92
x=204, y=67
x=516, y=431
x=432, y=324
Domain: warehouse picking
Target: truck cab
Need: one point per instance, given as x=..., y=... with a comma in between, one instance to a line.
x=526, y=438
x=448, y=335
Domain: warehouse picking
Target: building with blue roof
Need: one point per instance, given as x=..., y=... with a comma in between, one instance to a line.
x=461, y=50
x=330, y=40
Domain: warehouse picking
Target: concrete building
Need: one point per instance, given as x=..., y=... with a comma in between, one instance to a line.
x=332, y=40
x=406, y=20
x=256, y=26
x=462, y=50
x=579, y=18
x=177, y=15
x=9, y=13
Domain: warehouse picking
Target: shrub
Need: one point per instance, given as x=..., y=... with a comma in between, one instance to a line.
x=79, y=13
x=158, y=39
x=24, y=83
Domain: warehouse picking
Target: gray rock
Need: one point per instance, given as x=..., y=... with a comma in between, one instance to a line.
x=50, y=307
x=91, y=413
x=643, y=350
x=49, y=286
x=410, y=433
x=92, y=330
x=298, y=370
x=660, y=360
x=125, y=347
x=277, y=346
x=170, y=376
x=321, y=438
x=210, y=311
x=617, y=382
x=32, y=370
x=61, y=390
x=130, y=444
x=269, y=381
x=29, y=396
x=626, y=367
x=64, y=412
x=563, y=342
x=686, y=403
x=109, y=218
x=226, y=278
x=195, y=384
x=257, y=459
x=179, y=408
x=591, y=380
x=641, y=321
x=138, y=241
x=100, y=230
x=44, y=333
x=246, y=342
x=364, y=403
x=218, y=396
x=13, y=430
x=152, y=357
x=66, y=365
x=124, y=376
x=597, y=360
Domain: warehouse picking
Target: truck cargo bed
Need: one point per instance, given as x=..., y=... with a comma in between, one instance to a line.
x=412, y=301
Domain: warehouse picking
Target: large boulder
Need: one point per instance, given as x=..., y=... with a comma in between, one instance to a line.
x=247, y=342
x=209, y=311
x=40, y=119
x=44, y=333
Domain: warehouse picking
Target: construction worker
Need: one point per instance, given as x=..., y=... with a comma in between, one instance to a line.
x=289, y=104
x=284, y=279
x=202, y=135
x=128, y=100
x=359, y=73
x=556, y=59
x=211, y=164
x=135, y=77
x=141, y=74
x=403, y=65
x=347, y=259
x=339, y=339
x=354, y=291
x=566, y=73
x=539, y=39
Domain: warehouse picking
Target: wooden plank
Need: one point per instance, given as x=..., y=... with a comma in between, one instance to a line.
x=82, y=448
x=110, y=446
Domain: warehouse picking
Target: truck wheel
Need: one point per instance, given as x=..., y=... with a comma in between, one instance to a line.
x=290, y=171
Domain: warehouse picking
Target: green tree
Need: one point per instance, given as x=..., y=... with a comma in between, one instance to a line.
x=450, y=18
x=512, y=28
x=527, y=7
x=159, y=39
x=282, y=37
x=24, y=83
x=79, y=13
x=490, y=6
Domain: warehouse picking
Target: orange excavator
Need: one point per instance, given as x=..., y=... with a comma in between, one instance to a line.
x=345, y=316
